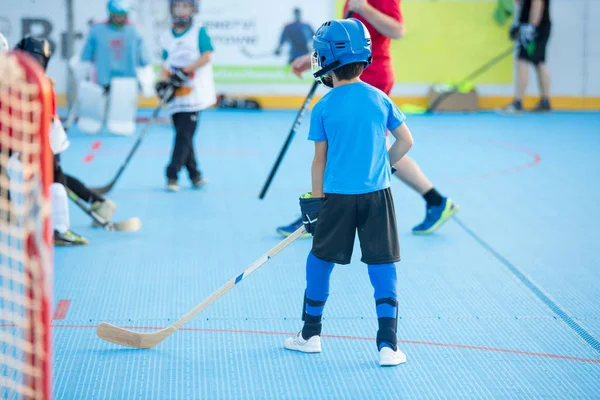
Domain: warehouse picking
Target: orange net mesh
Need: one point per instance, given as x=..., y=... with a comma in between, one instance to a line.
x=25, y=240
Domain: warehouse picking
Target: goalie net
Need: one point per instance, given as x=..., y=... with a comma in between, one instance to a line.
x=25, y=232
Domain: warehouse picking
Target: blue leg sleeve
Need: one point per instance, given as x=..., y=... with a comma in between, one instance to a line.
x=383, y=278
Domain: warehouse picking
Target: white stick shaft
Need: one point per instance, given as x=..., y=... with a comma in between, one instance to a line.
x=229, y=285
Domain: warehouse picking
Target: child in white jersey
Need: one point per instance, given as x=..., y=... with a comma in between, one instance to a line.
x=188, y=86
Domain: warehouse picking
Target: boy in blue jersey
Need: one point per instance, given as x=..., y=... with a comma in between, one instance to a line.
x=115, y=47
x=351, y=173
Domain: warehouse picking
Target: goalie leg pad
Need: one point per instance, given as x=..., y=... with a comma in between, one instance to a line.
x=122, y=106
x=60, y=208
x=92, y=107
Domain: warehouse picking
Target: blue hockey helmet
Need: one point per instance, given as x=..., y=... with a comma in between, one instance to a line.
x=185, y=20
x=338, y=43
x=119, y=7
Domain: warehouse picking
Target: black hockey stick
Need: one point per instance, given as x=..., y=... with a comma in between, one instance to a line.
x=130, y=225
x=484, y=68
x=288, y=141
x=108, y=188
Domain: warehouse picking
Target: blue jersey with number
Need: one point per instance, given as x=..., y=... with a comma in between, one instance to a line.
x=116, y=52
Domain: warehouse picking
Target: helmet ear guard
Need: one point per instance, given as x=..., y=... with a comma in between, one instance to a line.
x=321, y=72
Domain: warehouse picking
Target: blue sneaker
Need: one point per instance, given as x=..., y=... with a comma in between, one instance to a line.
x=436, y=216
x=291, y=228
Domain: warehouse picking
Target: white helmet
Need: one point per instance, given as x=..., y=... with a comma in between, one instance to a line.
x=3, y=44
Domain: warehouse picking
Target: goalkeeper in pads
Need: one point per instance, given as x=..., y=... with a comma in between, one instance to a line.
x=39, y=49
x=351, y=173
x=187, y=86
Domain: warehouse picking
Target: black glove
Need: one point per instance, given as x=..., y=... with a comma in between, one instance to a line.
x=310, y=207
x=178, y=78
x=165, y=91
x=514, y=30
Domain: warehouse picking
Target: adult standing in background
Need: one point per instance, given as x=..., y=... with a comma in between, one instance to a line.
x=531, y=31
x=298, y=34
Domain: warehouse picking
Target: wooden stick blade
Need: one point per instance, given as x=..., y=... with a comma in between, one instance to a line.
x=130, y=225
x=125, y=337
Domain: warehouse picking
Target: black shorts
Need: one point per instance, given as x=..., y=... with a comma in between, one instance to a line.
x=538, y=56
x=372, y=214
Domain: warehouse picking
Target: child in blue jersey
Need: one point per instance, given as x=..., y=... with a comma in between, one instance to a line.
x=115, y=47
x=351, y=173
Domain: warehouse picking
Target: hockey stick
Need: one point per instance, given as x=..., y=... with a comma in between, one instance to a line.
x=130, y=225
x=108, y=188
x=288, y=141
x=484, y=68
x=72, y=112
x=139, y=340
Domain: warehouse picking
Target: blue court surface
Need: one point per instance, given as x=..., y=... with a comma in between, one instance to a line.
x=501, y=302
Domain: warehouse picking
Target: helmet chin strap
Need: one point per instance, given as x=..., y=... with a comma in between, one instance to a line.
x=322, y=74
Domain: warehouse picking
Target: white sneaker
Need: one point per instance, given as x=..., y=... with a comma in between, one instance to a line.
x=172, y=186
x=297, y=343
x=389, y=357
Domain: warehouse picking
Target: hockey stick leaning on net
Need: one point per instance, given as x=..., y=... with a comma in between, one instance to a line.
x=107, y=188
x=484, y=68
x=124, y=337
x=130, y=225
x=288, y=141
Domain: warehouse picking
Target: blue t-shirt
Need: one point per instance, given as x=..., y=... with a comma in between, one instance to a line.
x=116, y=52
x=354, y=119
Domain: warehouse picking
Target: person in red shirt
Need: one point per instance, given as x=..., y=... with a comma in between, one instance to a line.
x=384, y=21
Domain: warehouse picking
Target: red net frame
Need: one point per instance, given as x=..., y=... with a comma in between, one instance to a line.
x=26, y=102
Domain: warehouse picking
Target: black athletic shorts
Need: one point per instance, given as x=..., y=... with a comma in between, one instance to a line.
x=538, y=56
x=372, y=214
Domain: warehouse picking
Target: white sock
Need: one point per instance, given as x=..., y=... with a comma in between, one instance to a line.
x=60, y=208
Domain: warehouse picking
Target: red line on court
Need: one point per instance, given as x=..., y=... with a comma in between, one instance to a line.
x=88, y=158
x=415, y=342
x=535, y=160
x=61, y=309
x=96, y=144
